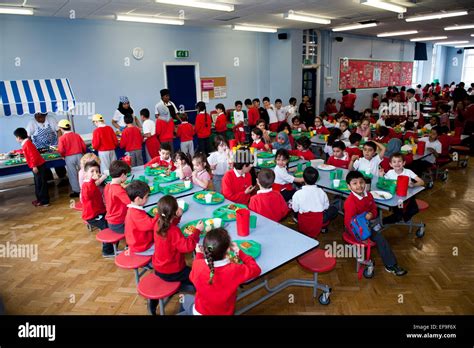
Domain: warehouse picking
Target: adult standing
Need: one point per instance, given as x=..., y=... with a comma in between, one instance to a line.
x=459, y=93
x=306, y=111
x=43, y=131
x=123, y=109
x=165, y=100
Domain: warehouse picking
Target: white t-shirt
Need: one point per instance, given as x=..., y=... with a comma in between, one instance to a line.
x=168, y=104
x=282, y=176
x=345, y=135
x=238, y=117
x=292, y=111
x=281, y=114
x=436, y=145
x=118, y=117
x=149, y=127
x=34, y=125
x=272, y=116
x=310, y=199
x=328, y=149
x=392, y=175
x=219, y=159
x=363, y=165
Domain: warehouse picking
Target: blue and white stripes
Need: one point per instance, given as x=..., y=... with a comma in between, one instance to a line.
x=32, y=96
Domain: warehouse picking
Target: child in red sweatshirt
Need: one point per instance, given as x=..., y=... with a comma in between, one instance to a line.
x=71, y=147
x=164, y=126
x=164, y=159
x=104, y=141
x=360, y=202
x=185, y=132
x=303, y=149
x=268, y=202
x=216, y=278
x=258, y=141
x=203, y=128
x=138, y=224
x=36, y=163
x=319, y=127
x=116, y=199
x=339, y=156
x=132, y=141
x=353, y=149
x=221, y=120
x=93, y=208
x=171, y=246
x=237, y=183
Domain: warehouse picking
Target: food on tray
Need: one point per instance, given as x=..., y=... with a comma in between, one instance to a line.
x=189, y=230
x=155, y=211
x=231, y=216
x=200, y=196
x=245, y=245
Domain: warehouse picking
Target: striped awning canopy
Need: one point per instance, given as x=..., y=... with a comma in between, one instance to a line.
x=32, y=96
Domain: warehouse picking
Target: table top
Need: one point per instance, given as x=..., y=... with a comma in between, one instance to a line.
x=325, y=183
x=153, y=199
x=316, y=140
x=290, y=164
x=3, y=165
x=280, y=244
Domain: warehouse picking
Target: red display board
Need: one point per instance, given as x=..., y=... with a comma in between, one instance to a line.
x=362, y=74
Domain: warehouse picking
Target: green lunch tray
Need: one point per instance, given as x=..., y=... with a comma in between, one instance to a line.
x=273, y=134
x=228, y=214
x=265, y=155
x=48, y=156
x=194, y=223
x=217, y=198
x=15, y=161
x=163, y=178
x=387, y=185
x=294, y=158
x=152, y=211
x=268, y=164
x=175, y=189
x=298, y=135
x=342, y=186
x=250, y=247
x=155, y=171
x=109, y=179
x=367, y=176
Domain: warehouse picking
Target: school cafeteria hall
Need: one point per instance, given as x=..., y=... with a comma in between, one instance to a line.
x=237, y=157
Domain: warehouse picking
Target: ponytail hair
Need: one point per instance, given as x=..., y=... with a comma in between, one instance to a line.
x=167, y=208
x=201, y=106
x=215, y=245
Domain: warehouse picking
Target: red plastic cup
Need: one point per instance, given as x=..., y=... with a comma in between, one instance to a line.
x=243, y=222
x=127, y=159
x=232, y=143
x=420, y=148
x=402, y=185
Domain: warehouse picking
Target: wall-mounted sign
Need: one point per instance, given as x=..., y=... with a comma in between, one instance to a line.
x=181, y=53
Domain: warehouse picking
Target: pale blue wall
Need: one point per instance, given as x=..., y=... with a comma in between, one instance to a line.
x=91, y=54
x=356, y=46
x=453, y=73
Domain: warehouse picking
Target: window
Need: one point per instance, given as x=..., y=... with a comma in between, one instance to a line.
x=433, y=62
x=417, y=73
x=468, y=67
x=310, y=47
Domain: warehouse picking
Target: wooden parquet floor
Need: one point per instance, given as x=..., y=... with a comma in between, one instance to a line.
x=71, y=277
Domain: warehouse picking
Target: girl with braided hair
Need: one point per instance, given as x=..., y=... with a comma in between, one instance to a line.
x=171, y=246
x=215, y=277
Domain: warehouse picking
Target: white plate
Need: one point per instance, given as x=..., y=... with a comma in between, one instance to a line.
x=381, y=195
x=326, y=167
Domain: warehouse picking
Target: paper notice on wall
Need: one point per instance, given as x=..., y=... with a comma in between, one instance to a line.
x=377, y=74
x=205, y=97
x=220, y=92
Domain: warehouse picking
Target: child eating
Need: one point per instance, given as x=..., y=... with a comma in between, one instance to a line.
x=370, y=162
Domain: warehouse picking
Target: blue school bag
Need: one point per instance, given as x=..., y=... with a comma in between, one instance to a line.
x=360, y=227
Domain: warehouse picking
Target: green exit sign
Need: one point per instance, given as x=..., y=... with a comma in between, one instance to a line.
x=181, y=54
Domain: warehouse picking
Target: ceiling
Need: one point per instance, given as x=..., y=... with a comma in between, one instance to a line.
x=269, y=13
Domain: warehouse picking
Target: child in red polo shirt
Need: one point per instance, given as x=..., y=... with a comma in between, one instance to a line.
x=303, y=149
x=319, y=127
x=221, y=120
x=164, y=159
x=93, y=208
x=353, y=148
x=138, y=224
x=237, y=182
x=171, y=246
x=203, y=128
x=360, y=202
x=36, y=163
x=268, y=202
x=71, y=147
x=164, y=126
x=339, y=156
x=258, y=141
x=132, y=141
x=185, y=132
x=104, y=141
x=116, y=199
x=216, y=278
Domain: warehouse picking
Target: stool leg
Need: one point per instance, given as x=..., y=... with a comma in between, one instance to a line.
x=315, y=289
x=162, y=307
x=115, y=249
x=137, y=276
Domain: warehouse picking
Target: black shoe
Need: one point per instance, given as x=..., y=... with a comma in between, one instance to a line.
x=152, y=305
x=108, y=255
x=396, y=269
x=74, y=194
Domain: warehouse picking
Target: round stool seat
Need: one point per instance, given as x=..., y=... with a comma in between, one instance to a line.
x=109, y=236
x=460, y=148
x=422, y=205
x=316, y=261
x=154, y=288
x=131, y=261
x=349, y=238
